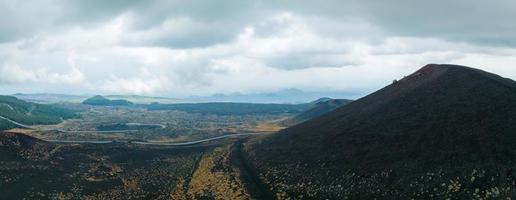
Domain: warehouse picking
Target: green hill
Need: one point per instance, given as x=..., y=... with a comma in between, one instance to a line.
x=137, y=99
x=445, y=132
x=102, y=101
x=30, y=113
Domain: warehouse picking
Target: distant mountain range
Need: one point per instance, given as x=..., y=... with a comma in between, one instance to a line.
x=445, y=131
x=311, y=109
x=286, y=96
x=48, y=98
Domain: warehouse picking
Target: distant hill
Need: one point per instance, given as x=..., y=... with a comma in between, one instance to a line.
x=145, y=99
x=103, y=101
x=445, y=131
x=30, y=113
x=232, y=108
x=319, y=107
x=48, y=98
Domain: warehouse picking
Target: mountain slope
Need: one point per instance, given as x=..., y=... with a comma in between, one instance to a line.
x=443, y=120
x=30, y=113
x=320, y=107
x=8, y=139
x=17, y=146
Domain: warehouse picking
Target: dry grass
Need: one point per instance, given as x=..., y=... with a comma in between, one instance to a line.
x=268, y=127
x=216, y=178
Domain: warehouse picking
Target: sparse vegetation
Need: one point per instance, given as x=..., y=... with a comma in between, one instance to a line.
x=32, y=169
x=215, y=178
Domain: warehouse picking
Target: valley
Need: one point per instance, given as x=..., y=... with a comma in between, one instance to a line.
x=444, y=131
x=131, y=152
x=137, y=124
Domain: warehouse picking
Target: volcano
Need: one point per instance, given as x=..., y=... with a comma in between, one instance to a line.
x=421, y=136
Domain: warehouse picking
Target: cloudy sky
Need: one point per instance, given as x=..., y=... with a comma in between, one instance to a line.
x=196, y=47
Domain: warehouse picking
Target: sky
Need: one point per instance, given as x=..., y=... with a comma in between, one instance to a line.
x=197, y=47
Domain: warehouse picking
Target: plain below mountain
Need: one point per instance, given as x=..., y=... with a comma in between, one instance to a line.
x=223, y=108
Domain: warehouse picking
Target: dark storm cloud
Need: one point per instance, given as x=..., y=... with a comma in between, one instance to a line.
x=484, y=22
x=222, y=19
x=184, y=32
x=19, y=19
x=208, y=22
x=22, y=19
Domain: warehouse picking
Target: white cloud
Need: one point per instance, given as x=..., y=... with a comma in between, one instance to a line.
x=147, y=83
x=75, y=76
x=194, y=53
x=14, y=74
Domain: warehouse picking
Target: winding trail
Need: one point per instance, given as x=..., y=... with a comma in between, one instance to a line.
x=16, y=123
x=61, y=130
x=200, y=141
x=129, y=142
x=156, y=143
x=114, y=131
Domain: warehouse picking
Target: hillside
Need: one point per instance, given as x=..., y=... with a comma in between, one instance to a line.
x=319, y=107
x=102, y=101
x=444, y=131
x=30, y=113
x=18, y=140
x=19, y=147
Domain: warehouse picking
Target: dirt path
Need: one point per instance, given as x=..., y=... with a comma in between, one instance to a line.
x=255, y=186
